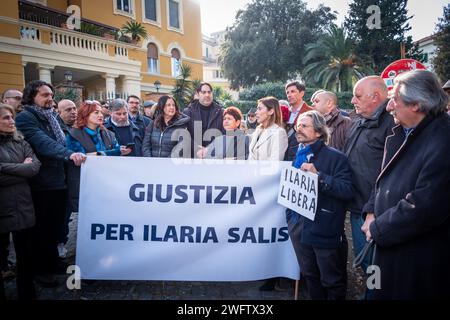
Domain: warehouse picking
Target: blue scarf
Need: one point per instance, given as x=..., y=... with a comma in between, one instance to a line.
x=96, y=138
x=303, y=155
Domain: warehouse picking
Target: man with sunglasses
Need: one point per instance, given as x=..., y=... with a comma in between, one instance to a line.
x=13, y=98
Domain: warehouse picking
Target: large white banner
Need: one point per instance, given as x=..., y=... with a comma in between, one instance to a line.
x=158, y=219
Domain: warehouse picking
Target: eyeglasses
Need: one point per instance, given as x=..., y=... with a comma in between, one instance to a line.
x=16, y=98
x=302, y=125
x=252, y=115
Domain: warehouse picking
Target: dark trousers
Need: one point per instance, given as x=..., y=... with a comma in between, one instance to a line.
x=50, y=210
x=323, y=272
x=23, y=245
x=4, y=252
x=294, y=230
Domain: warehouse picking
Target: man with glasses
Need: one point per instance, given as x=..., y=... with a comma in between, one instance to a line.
x=135, y=116
x=13, y=98
x=318, y=244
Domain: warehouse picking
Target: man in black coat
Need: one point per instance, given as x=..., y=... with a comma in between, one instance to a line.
x=408, y=215
x=42, y=131
x=318, y=244
x=206, y=118
x=364, y=149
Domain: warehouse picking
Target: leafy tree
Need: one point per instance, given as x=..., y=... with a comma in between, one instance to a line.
x=267, y=40
x=331, y=62
x=221, y=95
x=382, y=44
x=442, y=60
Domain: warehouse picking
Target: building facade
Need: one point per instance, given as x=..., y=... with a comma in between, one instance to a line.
x=428, y=48
x=40, y=40
x=212, y=71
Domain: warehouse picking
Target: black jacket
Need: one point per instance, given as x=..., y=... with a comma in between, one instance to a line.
x=159, y=143
x=135, y=134
x=141, y=122
x=335, y=190
x=16, y=204
x=215, y=122
x=39, y=134
x=364, y=150
x=411, y=203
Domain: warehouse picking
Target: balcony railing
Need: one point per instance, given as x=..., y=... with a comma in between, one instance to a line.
x=73, y=42
x=40, y=14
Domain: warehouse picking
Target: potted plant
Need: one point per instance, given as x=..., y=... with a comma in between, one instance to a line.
x=135, y=30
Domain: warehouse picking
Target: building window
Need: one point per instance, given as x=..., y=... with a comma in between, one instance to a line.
x=174, y=14
x=425, y=57
x=124, y=5
x=152, y=58
x=218, y=74
x=176, y=62
x=206, y=55
x=151, y=12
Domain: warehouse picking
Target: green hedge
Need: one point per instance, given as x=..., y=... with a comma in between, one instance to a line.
x=276, y=89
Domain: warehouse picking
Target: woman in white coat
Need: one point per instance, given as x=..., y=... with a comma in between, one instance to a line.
x=269, y=140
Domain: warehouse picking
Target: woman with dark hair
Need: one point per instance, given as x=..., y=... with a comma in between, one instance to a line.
x=17, y=164
x=165, y=132
x=89, y=137
x=232, y=145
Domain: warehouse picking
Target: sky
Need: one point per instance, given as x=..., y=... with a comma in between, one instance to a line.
x=218, y=14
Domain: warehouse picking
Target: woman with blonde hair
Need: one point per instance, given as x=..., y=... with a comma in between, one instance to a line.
x=18, y=163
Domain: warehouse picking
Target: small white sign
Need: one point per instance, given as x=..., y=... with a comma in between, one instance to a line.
x=298, y=190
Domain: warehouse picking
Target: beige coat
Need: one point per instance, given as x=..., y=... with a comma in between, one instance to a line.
x=271, y=144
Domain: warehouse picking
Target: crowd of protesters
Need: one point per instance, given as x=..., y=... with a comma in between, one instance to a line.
x=386, y=166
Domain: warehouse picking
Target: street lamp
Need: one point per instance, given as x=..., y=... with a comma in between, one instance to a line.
x=68, y=76
x=157, y=85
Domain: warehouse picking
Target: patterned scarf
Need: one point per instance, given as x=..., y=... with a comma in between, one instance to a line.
x=48, y=113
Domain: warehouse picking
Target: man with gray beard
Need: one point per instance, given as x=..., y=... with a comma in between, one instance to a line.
x=127, y=133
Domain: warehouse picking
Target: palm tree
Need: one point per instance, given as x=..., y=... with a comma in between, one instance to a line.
x=135, y=29
x=331, y=63
x=184, y=89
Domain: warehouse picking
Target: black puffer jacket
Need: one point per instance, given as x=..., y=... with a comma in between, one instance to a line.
x=16, y=205
x=159, y=143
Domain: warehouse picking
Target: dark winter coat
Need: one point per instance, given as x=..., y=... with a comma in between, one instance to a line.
x=215, y=122
x=136, y=135
x=85, y=144
x=364, y=150
x=335, y=190
x=411, y=203
x=16, y=205
x=141, y=122
x=39, y=134
x=160, y=143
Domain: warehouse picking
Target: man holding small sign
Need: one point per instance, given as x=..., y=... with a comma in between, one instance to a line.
x=323, y=185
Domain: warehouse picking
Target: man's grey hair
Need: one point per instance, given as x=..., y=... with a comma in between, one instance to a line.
x=319, y=124
x=118, y=104
x=422, y=87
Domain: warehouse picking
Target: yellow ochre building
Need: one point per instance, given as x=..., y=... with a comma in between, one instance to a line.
x=37, y=42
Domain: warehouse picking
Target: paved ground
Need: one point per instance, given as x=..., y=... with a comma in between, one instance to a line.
x=175, y=290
